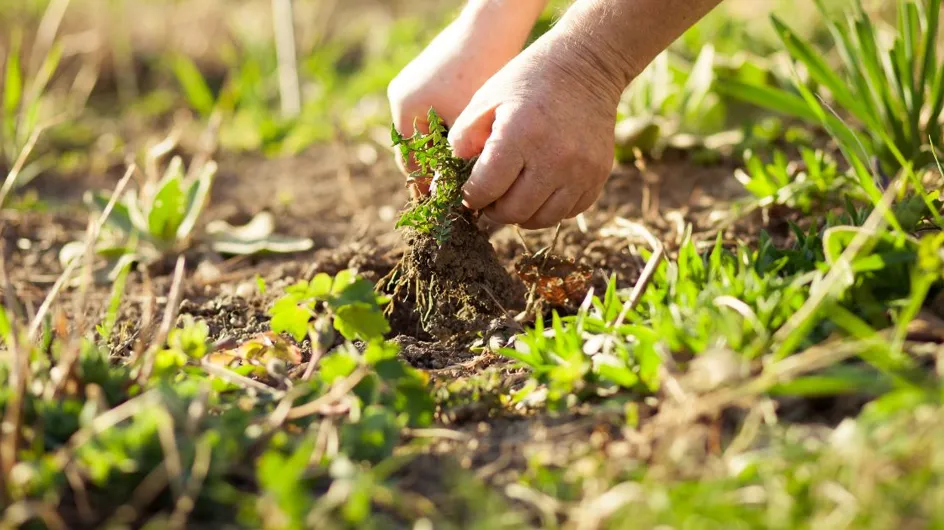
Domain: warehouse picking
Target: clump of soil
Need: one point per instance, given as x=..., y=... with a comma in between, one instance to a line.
x=450, y=290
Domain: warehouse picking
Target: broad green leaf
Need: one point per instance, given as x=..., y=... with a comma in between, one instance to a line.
x=167, y=212
x=320, y=286
x=360, y=321
x=292, y=319
x=196, y=199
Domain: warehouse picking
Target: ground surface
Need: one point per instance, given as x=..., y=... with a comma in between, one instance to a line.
x=718, y=442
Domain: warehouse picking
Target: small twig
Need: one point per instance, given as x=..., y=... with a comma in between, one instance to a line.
x=443, y=434
x=143, y=495
x=553, y=245
x=172, y=461
x=241, y=380
x=338, y=391
x=170, y=315
x=641, y=285
x=149, y=307
x=198, y=473
x=521, y=239
x=547, y=506
x=14, y=172
x=289, y=85
x=90, y=239
x=82, y=504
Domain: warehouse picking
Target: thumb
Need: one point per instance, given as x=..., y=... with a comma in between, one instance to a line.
x=471, y=130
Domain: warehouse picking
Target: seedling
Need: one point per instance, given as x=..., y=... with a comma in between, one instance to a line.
x=162, y=218
x=797, y=185
x=449, y=282
x=672, y=105
x=435, y=214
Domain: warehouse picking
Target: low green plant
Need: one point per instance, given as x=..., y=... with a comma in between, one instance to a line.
x=23, y=115
x=445, y=173
x=671, y=104
x=249, y=451
x=801, y=185
x=894, y=90
x=162, y=220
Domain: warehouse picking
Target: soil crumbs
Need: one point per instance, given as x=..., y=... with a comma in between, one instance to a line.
x=452, y=290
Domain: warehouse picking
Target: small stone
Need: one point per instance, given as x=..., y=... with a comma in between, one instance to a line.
x=207, y=272
x=245, y=290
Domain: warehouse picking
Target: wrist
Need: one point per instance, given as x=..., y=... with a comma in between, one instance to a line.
x=599, y=52
x=504, y=20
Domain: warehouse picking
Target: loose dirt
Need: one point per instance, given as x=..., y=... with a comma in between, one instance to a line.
x=450, y=290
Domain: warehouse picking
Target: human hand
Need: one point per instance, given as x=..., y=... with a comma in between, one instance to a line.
x=456, y=64
x=544, y=129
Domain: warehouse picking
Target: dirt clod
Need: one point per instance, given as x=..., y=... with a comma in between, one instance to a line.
x=451, y=290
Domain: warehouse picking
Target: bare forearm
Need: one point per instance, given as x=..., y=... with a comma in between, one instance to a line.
x=621, y=37
x=501, y=23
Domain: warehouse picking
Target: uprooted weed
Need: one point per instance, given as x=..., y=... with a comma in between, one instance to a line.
x=449, y=281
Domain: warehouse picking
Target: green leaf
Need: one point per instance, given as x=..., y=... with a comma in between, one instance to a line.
x=290, y=318
x=12, y=88
x=167, y=211
x=196, y=199
x=119, y=218
x=373, y=437
x=819, y=70
x=320, y=286
x=335, y=366
x=195, y=87
x=360, y=321
x=774, y=99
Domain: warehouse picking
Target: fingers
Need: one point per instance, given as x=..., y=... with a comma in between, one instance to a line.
x=471, y=130
x=555, y=209
x=524, y=198
x=499, y=167
x=584, y=203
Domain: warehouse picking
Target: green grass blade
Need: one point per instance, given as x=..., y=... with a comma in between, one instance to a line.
x=12, y=91
x=699, y=82
x=864, y=91
x=768, y=97
x=820, y=71
x=929, y=65
x=114, y=304
x=195, y=87
x=879, y=79
x=937, y=102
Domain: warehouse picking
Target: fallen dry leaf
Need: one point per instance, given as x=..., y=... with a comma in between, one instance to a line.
x=263, y=347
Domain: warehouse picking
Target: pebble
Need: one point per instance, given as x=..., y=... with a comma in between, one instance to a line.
x=246, y=290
